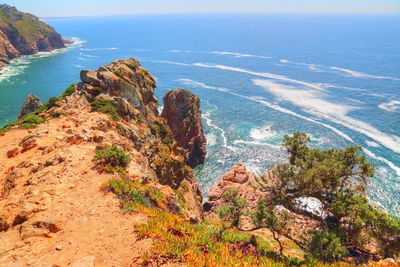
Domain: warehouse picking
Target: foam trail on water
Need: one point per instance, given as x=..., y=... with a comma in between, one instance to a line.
x=391, y=106
x=256, y=143
x=179, y=51
x=312, y=102
x=238, y=55
x=357, y=74
x=267, y=104
x=94, y=49
x=371, y=144
x=389, y=163
x=210, y=123
x=261, y=74
x=313, y=67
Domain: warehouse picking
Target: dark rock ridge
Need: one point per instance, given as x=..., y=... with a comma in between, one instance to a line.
x=31, y=104
x=24, y=34
x=183, y=115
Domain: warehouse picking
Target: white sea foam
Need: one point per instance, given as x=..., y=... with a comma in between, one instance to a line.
x=255, y=143
x=357, y=74
x=261, y=74
x=312, y=102
x=94, y=49
x=75, y=42
x=389, y=163
x=211, y=139
x=238, y=55
x=209, y=122
x=79, y=66
x=262, y=133
x=391, y=106
x=313, y=67
x=267, y=104
x=86, y=55
x=371, y=144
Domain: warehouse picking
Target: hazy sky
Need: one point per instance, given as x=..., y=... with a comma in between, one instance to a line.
x=105, y=7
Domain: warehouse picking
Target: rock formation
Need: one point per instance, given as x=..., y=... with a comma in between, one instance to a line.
x=31, y=104
x=24, y=34
x=240, y=179
x=51, y=208
x=183, y=115
x=244, y=181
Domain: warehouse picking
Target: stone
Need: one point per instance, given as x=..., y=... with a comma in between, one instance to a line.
x=31, y=104
x=183, y=115
x=88, y=261
x=90, y=77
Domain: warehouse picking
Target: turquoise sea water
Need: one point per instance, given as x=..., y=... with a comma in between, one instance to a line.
x=259, y=77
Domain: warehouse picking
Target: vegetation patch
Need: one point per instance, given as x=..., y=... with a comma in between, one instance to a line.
x=161, y=130
x=106, y=106
x=111, y=159
x=56, y=114
x=27, y=122
x=120, y=73
x=133, y=194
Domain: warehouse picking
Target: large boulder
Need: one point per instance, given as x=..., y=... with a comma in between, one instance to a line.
x=31, y=104
x=183, y=115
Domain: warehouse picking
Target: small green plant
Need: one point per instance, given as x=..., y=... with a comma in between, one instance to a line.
x=119, y=73
x=134, y=194
x=112, y=159
x=56, y=114
x=231, y=211
x=161, y=131
x=27, y=122
x=69, y=91
x=106, y=106
x=326, y=246
x=277, y=221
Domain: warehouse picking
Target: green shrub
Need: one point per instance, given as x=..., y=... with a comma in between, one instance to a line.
x=327, y=247
x=56, y=114
x=119, y=73
x=69, y=91
x=112, y=159
x=106, y=106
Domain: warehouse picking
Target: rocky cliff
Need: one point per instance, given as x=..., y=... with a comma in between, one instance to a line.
x=183, y=115
x=24, y=34
x=55, y=200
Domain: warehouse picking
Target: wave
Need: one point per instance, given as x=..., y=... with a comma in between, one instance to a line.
x=387, y=162
x=371, y=144
x=238, y=55
x=75, y=42
x=311, y=102
x=391, y=106
x=357, y=74
x=94, y=49
x=267, y=104
x=86, y=55
x=262, y=133
x=255, y=143
x=209, y=122
x=78, y=66
x=261, y=74
x=313, y=67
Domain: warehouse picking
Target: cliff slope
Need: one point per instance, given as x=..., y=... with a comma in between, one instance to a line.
x=24, y=34
x=56, y=205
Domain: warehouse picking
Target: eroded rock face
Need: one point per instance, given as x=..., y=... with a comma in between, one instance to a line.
x=16, y=40
x=125, y=81
x=183, y=115
x=31, y=104
x=240, y=179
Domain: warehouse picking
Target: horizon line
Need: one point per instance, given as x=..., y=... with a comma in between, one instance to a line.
x=322, y=12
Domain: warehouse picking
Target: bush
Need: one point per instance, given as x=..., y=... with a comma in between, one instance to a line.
x=56, y=114
x=327, y=247
x=119, y=73
x=69, y=91
x=112, y=159
x=106, y=106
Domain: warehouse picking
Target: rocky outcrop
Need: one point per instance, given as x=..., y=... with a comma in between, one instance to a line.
x=31, y=104
x=183, y=115
x=240, y=179
x=24, y=34
x=128, y=84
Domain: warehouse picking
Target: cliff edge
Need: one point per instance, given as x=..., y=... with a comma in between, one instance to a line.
x=24, y=34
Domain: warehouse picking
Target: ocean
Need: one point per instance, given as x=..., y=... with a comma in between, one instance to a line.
x=259, y=77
